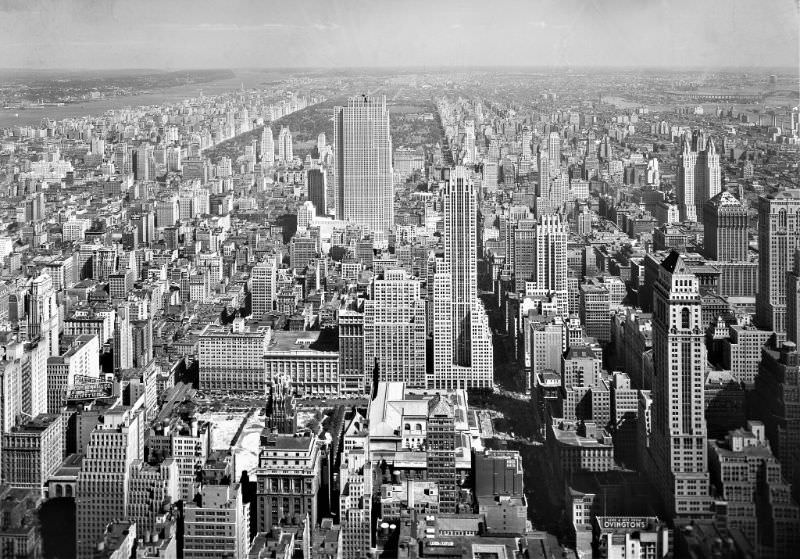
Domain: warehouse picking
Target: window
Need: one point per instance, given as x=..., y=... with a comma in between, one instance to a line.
x=685, y=318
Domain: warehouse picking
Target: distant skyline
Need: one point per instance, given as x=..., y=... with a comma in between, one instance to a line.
x=186, y=34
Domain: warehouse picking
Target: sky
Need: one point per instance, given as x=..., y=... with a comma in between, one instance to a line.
x=185, y=34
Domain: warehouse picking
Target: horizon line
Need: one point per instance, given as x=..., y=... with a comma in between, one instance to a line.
x=483, y=67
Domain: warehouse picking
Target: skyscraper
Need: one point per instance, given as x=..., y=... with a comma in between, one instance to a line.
x=441, y=450
x=469, y=154
x=725, y=228
x=543, y=163
x=527, y=137
x=554, y=148
x=678, y=455
x=550, y=254
x=267, y=146
x=101, y=494
x=123, y=346
x=219, y=525
x=143, y=170
x=363, y=163
x=262, y=287
x=778, y=235
x=462, y=343
x=43, y=313
x=699, y=176
x=460, y=252
x=523, y=253
x=285, y=149
x=793, y=300
x=394, y=329
x=317, y=185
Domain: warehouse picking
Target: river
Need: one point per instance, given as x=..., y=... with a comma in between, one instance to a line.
x=32, y=117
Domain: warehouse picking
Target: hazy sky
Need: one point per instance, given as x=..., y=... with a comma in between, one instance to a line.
x=178, y=34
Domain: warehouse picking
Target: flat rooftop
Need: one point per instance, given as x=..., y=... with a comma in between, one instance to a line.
x=285, y=341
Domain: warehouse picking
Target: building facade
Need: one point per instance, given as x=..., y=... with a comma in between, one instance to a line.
x=363, y=163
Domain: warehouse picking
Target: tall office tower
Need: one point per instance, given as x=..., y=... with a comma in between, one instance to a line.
x=493, y=153
x=469, y=154
x=524, y=253
x=545, y=340
x=174, y=159
x=353, y=379
x=725, y=228
x=362, y=163
x=462, y=342
x=101, y=493
x=394, y=329
x=217, y=526
x=79, y=363
x=262, y=287
x=441, y=455
x=167, y=211
x=267, y=146
x=554, y=149
x=355, y=505
x=741, y=353
x=793, y=300
x=604, y=150
x=287, y=495
x=460, y=253
x=34, y=378
x=43, y=313
x=545, y=167
x=776, y=402
x=699, y=177
x=123, y=341
x=687, y=168
x=285, y=149
x=550, y=269
x=302, y=250
x=554, y=194
x=758, y=500
x=11, y=371
x=122, y=163
x=98, y=146
x=145, y=227
x=152, y=487
x=317, y=185
x=653, y=173
x=527, y=138
x=187, y=441
x=32, y=451
x=679, y=465
x=143, y=171
x=778, y=235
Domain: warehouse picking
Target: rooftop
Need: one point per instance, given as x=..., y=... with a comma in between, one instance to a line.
x=37, y=424
x=286, y=341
